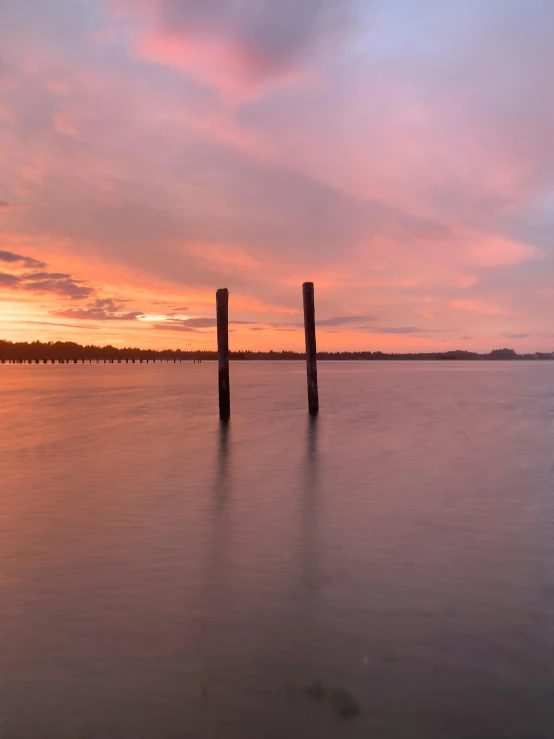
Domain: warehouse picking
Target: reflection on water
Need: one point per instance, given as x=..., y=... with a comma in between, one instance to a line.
x=222, y=487
x=163, y=574
x=221, y=497
x=308, y=521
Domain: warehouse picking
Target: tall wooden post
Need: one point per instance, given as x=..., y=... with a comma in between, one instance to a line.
x=222, y=309
x=311, y=353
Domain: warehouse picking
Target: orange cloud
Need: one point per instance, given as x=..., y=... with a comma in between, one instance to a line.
x=477, y=306
x=5, y=206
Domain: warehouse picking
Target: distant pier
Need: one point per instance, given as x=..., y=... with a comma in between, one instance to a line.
x=100, y=360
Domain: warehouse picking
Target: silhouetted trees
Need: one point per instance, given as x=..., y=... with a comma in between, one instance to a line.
x=69, y=350
x=503, y=354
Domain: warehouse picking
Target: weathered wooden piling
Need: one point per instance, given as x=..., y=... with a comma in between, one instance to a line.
x=222, y=310
x=311, y=351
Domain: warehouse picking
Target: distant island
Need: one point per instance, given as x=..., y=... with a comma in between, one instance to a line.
x=69, y=350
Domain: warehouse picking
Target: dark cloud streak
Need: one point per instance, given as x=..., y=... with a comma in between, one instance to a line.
x=344, y=320
x=58, y=283
x=11, y=257
x=192, y=324
x=7, y=280
x=101, y=309
x=393, y=329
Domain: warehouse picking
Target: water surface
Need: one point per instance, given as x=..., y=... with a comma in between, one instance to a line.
x=164, y=576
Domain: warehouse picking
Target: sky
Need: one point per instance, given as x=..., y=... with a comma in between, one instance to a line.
x=397, y=153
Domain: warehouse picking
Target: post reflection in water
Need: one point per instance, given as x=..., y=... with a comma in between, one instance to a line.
x=218, y=530
x=309, y=501
x=221, y=488
x=213, y=661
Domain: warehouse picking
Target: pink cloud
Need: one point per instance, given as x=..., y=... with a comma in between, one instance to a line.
x=233, y=45
x=66, y=126
x=498, y=252
x=210, y=62
x=58, y=88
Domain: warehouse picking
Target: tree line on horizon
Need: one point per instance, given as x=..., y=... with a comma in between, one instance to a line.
x=71, y=350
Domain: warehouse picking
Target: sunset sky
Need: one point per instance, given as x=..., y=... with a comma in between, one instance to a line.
x=399, y=153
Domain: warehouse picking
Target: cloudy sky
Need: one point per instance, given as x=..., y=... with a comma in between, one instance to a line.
x=399, y=153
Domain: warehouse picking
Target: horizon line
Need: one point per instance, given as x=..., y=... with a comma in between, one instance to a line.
x=36, y=350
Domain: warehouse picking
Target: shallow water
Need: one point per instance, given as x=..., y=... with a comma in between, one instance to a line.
x=163, y=576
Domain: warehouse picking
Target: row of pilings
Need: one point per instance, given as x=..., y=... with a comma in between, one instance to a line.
x=98, y=360
x=222, y=311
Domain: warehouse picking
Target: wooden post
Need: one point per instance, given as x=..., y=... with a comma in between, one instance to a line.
x=222, y=309
x=311, y=352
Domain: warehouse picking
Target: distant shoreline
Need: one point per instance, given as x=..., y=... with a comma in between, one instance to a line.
x=70, y=351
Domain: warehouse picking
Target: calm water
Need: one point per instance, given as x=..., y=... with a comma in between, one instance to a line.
x=161, y=576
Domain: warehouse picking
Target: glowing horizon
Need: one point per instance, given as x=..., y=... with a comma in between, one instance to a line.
x=395, y=153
